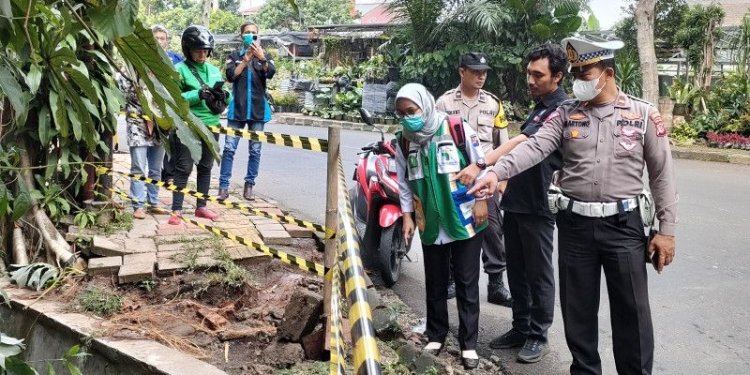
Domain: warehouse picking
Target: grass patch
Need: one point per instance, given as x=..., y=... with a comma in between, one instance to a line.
x=99, y=301
x=306, y=368
x=122, y=222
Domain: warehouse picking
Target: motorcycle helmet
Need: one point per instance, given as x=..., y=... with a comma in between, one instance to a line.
x=197, y=37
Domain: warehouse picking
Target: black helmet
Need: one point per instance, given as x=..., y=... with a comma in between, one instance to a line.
x=197, y=37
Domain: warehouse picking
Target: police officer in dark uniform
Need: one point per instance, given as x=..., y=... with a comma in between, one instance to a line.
x=484, y=112
x=606, y=138
x=529, y=224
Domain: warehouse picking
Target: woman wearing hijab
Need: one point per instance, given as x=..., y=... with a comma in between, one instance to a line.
x=450, y=222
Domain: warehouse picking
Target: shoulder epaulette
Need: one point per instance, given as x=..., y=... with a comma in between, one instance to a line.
x=637, y=99
x=491, y=95
x=569, y=104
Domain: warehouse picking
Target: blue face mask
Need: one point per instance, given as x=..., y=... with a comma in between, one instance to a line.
x=248, y=39
x=413, y=123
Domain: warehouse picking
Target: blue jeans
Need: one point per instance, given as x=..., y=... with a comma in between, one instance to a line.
x=145, y=161
x=230, y=146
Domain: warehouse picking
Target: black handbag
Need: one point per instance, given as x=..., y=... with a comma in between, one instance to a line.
x=217, y=97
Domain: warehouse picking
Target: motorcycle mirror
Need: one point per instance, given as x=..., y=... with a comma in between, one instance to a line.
x=366, y=116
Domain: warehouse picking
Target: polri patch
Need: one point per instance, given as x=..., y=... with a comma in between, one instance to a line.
x=661, y=131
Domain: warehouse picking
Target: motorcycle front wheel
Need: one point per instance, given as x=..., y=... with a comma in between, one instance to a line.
x=392, y=246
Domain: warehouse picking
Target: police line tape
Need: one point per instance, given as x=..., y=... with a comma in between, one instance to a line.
x=366, y=354
x=295, y=141
x=287, y=258
x=329, y=233
x=337, y=347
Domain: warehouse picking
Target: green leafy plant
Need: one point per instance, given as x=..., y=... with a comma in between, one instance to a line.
x=629, y=76
x=99, y=301
x=84, y=219
x=35, y=276
x=683, y=134
x=147, y=285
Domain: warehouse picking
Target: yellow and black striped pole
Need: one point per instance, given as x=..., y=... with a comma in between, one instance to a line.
x=366, y=354
x=295, y=141
x=329, y=233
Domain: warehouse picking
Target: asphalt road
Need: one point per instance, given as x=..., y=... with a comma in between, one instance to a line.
x=700, y=304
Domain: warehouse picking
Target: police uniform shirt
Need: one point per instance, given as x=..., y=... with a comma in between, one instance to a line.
x=483, y=114
x=604, y=149
x=527, y=192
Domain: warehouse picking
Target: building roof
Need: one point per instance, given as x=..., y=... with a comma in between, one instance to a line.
x=734, y=10
x=378, y=15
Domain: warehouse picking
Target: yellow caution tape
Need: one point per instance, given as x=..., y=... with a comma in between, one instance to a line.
x=287, y=258
x=337, y=347
x=329, y=233
x=295, y=141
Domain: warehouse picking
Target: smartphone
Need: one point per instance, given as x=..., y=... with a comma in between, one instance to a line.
x=218, y=85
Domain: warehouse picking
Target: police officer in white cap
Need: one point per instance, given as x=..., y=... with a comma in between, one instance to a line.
x=606, y=138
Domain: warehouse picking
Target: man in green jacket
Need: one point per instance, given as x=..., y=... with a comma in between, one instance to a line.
x=197, y=81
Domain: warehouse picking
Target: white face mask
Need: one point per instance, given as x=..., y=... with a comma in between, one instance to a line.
x=586, y=90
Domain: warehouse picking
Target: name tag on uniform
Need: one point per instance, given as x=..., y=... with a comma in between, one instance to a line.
x=414, y=165
x=447, y=155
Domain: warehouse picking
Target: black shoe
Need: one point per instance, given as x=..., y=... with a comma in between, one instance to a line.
x=496, y=291
x=511, y=339
x=533, y=351
x=248, y=192
x=451, y=290
x=435, y=352
x=223, y=194
x=470, y=363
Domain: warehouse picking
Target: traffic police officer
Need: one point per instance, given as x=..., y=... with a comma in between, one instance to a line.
x=484, y=113
x=605, y=138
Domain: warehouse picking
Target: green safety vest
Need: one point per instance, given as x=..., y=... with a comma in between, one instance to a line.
x=436, y=190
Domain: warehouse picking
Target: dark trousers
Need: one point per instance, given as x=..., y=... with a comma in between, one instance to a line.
x=464, y=256
x=586, y=246
x=531, y=278
x=493, y=250
x=167, y=170
x=183, y=166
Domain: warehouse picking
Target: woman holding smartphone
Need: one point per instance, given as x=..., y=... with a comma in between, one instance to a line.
x=248, y=69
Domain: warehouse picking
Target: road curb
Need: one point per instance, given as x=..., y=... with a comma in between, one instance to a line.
x=317, y=122
x=712, y=156
x=45, y=318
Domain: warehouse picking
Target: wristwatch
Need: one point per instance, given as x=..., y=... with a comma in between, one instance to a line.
x=481, y=163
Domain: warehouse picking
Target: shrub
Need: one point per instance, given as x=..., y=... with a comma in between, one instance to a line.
x=683, y=134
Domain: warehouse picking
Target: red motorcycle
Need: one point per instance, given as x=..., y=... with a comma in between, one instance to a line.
x=376, y=205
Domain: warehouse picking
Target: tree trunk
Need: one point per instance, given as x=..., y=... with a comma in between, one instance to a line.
x=57, y=248
x=708, y=56
x=644, y=21
x=206, y=12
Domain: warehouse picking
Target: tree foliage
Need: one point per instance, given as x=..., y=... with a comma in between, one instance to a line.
x=176, y=19
x=698, y=34
x=669, y=15
x=295, y=15
x=441, y=30
x=58, y=97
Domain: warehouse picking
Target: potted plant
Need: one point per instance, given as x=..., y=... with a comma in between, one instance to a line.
x=337, y=114
x=682, y=93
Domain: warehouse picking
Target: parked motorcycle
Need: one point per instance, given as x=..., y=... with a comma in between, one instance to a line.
x=376, y=206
